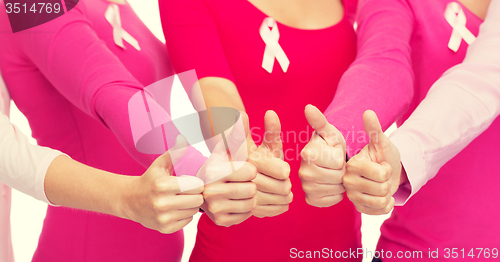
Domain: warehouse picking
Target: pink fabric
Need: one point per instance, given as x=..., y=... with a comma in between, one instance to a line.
x=381, y=77
x=461, y=105
x=74, y=83
x=403, y=50
x=221, y=38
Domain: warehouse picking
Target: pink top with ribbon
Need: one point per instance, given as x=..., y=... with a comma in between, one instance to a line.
x=275, y=67
x=403, y=48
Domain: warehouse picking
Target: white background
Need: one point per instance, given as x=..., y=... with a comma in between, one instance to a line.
x=28, y=214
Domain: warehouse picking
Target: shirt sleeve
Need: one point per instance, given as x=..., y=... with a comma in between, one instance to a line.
x=22, y=165
x=78, y=64
x=459, y=107
x=381, y=77
x=192, y=38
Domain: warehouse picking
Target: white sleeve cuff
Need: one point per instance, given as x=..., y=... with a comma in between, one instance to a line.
x=413, y=162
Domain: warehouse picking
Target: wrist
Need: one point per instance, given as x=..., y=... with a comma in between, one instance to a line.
x=125, y=195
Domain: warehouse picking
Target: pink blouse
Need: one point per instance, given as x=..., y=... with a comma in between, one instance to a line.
x=461, y=105
x=402, y=50
x=229, y=39
x=73, y=83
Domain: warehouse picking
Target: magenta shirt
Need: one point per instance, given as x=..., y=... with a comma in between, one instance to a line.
x=221, y=38
x=402, y=51
x=73, y=83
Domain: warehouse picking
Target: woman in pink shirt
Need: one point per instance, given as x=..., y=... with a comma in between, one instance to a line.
x=461, y=105
x=403, y=48
x=257, y=56
x=73, y=79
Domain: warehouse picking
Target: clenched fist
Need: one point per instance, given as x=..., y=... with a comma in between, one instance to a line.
x=323, y=162
x=373, y=176
x=273, y=173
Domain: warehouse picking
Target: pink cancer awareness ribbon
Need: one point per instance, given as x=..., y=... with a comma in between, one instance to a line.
x=270, y=35
x=455, y=16
x=119, y=34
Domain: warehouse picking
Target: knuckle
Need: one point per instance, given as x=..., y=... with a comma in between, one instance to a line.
x=255, y=156
x=164, y=231
x=384, y=188
x=157, y=204
x=304, y=154
x=360, y=209
x=354, y=168
x=388, y=209
x=251, y=170
x=199, y=200
x=380, y=175
x=212, y=191
x=352, y=197
x=309, y=153
x=379, y=203
x=248, y=206
x=337, y=199
x=162, y=185
x=307, y=188
x=289, y=198
x=309, y=201
x=211, y=172
x=287, y=187
x=342, y=190
x=163, y=220
x=169, y=229
x=333, y=200
x=285, y=208
x=253, y=189
x=307, y=175
x=389, y=171
x=347, y=182
x=285, y=170
x=222, y=221
x=214, y=207
x=254, y=203
x=312, y=201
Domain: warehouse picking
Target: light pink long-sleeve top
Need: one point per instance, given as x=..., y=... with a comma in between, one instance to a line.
x=458, y=108
x=402, y=50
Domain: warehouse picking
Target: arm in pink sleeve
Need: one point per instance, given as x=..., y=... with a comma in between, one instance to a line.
x=459, y=107
x=80, y=66
x=381, y=77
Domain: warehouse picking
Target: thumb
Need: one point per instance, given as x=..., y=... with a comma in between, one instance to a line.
x=324, y=129
x=272, y=134
x=173, y=155
x=374, y=130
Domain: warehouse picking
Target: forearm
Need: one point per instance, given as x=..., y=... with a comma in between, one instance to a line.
x=72, y=184
x=381, y=77
x=220, y=92
x=215, y=93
